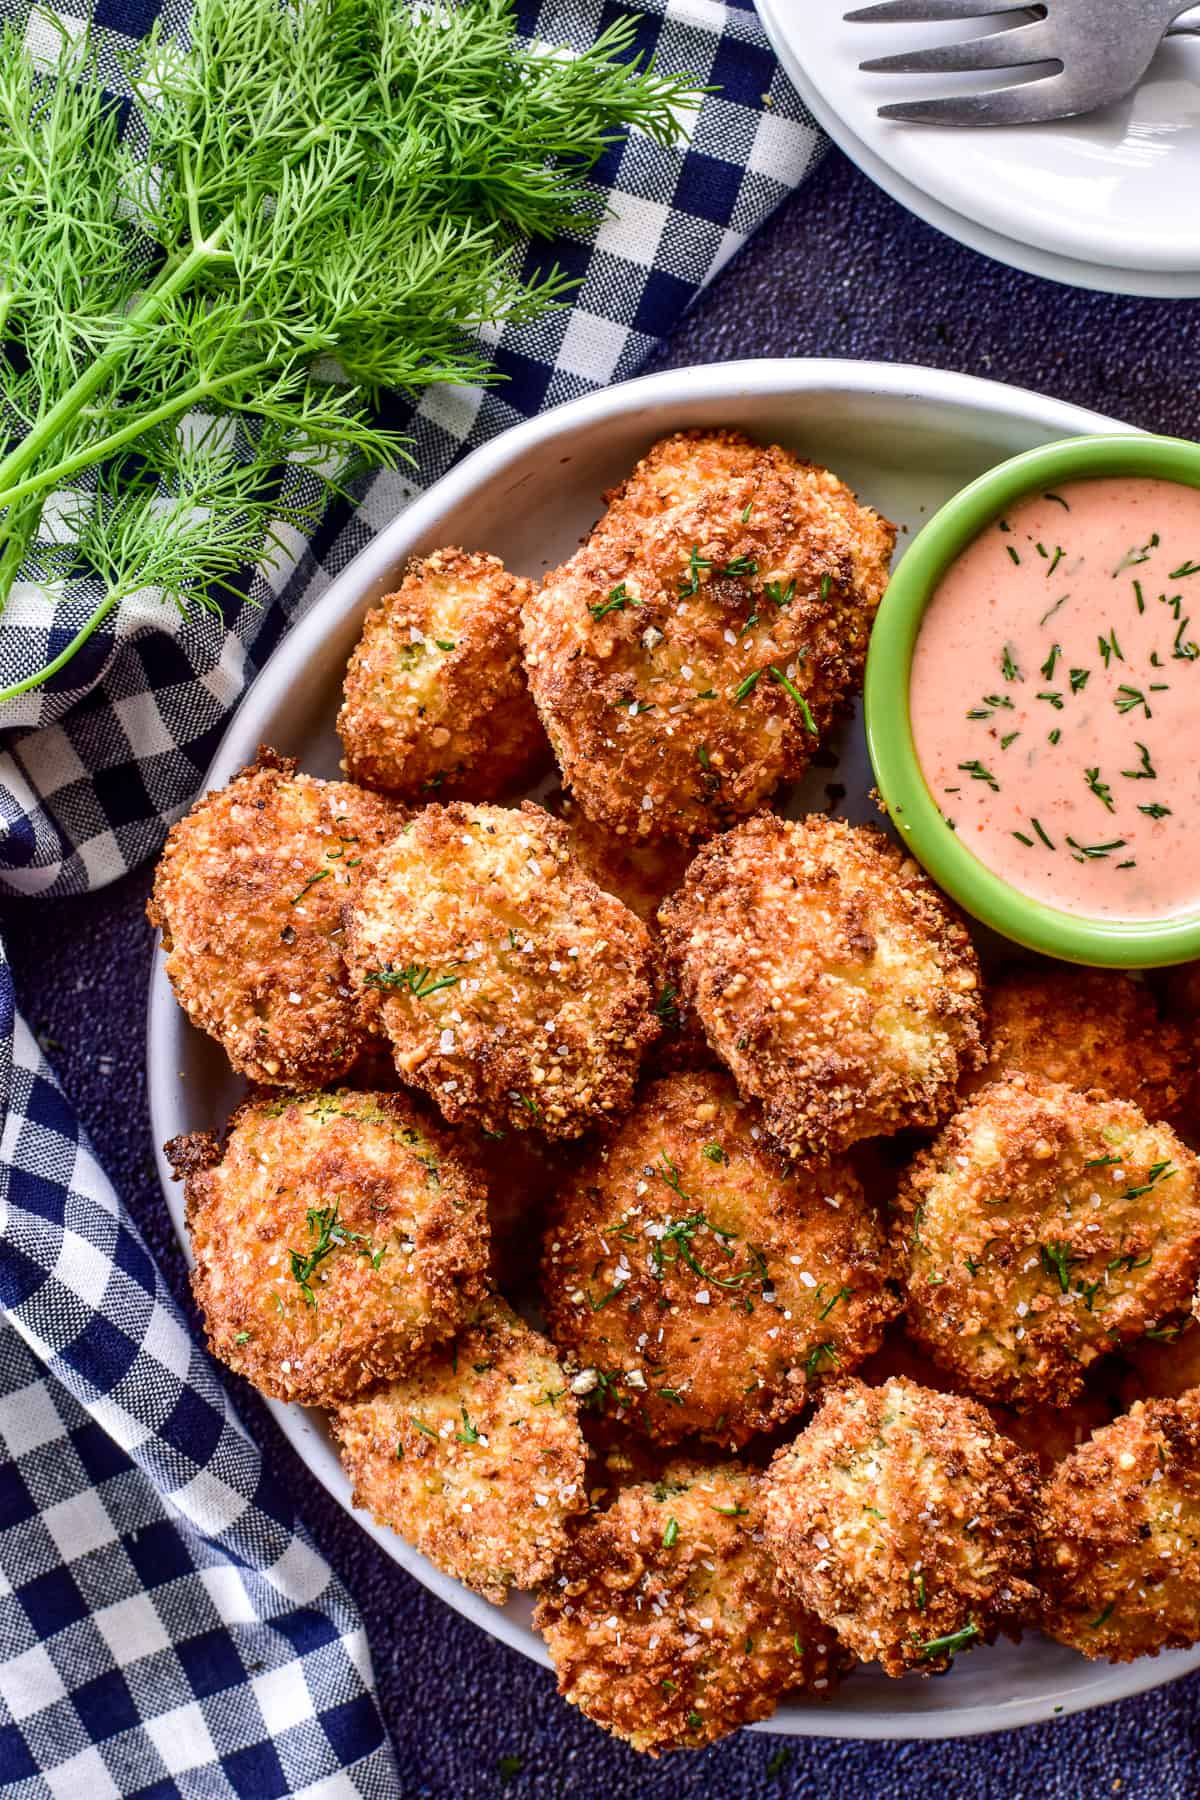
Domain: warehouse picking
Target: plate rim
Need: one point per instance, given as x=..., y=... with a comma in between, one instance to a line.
x=1014, y=253
x=775, y=377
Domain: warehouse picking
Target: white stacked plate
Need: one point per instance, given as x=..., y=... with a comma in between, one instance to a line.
x=1107, y=201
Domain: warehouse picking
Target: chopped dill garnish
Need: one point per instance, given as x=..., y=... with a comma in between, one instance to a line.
x=794, y=693
x=419, y=980
x=1058, y=1260
x=330, y=1234
x=1093, y=852
x=1133, y=557
x=1159, y=1171
x=691, y=583
x=951, y=1643
x=618, y=599
x=1145, y=771
x=1100, y=788
x=321, y=875
x=976, y=770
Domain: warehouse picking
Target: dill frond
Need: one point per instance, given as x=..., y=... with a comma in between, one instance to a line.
x=328, y=200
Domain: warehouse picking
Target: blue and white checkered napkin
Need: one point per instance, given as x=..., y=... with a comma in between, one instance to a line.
x=166, y=1627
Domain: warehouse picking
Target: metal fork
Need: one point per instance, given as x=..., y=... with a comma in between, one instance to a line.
x=1102, y=49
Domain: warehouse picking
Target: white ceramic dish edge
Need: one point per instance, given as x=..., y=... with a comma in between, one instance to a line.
x=685, y=396
x=1029, y=258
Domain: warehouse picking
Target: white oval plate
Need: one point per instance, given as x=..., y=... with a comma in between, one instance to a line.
x=1103, y=202
x=905, y=438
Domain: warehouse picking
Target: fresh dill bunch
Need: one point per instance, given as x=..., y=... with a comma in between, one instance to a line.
x=328, y=199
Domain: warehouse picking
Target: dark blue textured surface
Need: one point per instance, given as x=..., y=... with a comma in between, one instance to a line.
x=841, y=272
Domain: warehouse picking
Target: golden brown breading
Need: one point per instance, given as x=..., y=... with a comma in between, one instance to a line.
x=663, y=1621
x=1120, y=1544
x=692, y=654
x=514, y=991
x=248, y=896
x=475, y=1456
x=702, y=1283
x=1086, y=1028
x=336, y=1235
x=1041, y=1230
x=904, y=1520
x=435, y=695
x=829, y=975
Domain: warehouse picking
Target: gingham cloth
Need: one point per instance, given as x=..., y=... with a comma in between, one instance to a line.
x=166, y=1627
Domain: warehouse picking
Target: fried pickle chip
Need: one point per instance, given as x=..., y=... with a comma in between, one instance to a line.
x=1086, y=1028
x=663, y=1621
x=905, y=1521
x=702, y=1283
x=475, y=1456
x=701, y=643
x=336, y=1236
x=248, y=896
x=435, y=700
x=515, y=993
x=830, y=977
x=1120, y=1542
x=1041, y=1230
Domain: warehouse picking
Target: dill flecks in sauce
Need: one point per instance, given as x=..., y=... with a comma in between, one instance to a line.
x=1055, y=697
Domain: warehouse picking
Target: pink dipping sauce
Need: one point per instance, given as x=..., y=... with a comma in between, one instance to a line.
x=1055, y=698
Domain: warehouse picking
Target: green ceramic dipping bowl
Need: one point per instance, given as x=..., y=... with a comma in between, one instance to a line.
x=1111, y=943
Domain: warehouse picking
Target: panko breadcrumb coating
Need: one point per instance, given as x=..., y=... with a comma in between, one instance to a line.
x=697, y=648
x=475, y=1456
x=336, y=1235
x=1042, y=1229
x=905, y=1521
x=1121, y=1536
x=248, y=896
x=435, y=699
x=515, y=993
x=1086, y=1028
x=664, y=1623
x=830, y=977
x=701, y=1284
